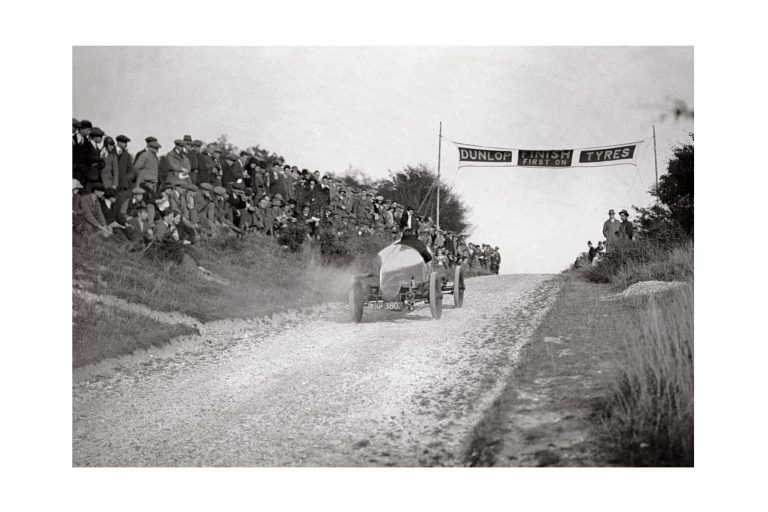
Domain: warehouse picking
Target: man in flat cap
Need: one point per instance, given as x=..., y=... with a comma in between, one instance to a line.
x=130, y=206
x=611, y=229
x=626, y=229
x=227, y=173
x=146, y=165
x=126, y=174
x=90, y=204
x=147, y=140
x=178, y=161
x=195, y=161
x=109, y=171
x=205, y=165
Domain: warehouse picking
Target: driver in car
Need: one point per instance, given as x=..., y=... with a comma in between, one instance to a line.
x=410, y=239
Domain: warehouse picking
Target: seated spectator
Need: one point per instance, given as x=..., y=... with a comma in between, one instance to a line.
x=165, y=228
x=591, y=252
x=91, y=206
x=111, y=210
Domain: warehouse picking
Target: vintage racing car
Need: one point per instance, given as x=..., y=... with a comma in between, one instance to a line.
x=400, y=279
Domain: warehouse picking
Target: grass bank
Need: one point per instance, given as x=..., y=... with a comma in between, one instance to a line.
x=642, y=260
x=605, y=381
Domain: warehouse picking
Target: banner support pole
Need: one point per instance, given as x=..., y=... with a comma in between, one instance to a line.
x=655, y=162
x=439, y=152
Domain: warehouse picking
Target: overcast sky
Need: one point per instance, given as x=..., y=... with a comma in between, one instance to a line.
x=378, y=109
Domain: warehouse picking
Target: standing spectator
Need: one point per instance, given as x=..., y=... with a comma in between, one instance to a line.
x=92, y=151
x=148, y=140
x=592, y=252
x=205, y=165
x=146, y=165
x=178, y=161
x=611, y=229
x=110, y=175
x=626, y=229
x=81, y=151
x=195, y=161
x=125, y=172
x=227, y=172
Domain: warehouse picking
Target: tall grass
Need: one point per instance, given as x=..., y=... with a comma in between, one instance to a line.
x=650, y=413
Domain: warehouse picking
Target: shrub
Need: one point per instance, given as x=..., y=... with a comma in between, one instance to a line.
x=629, y=262
x=292, y=236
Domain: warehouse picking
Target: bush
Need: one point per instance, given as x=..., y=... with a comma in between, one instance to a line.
x=629, y=262
x=292, y=236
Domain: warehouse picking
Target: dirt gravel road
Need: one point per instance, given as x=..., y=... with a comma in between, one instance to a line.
x=311, y=388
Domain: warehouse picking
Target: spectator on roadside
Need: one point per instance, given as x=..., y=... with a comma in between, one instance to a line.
x=165, y=229
x=125, y=172
x=111, y=210
x=195, y=161
x=408, y=220
x=90, y=204
x=146, y=165
x=178, y=161
x=92, y=151
x=611, y=229
x=592, y=251
x=130, y=206
x=227, y=171
x=626, y=229
x=110, y=176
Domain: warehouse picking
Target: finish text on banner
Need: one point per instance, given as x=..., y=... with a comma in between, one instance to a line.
x=547, y=158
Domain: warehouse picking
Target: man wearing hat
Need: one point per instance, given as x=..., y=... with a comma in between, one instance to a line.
x=79, y=149
x=90, y=203
x=611, y=229
x=626, y=229
x=147, y=140
x=146, y=165
x=227, y=174
x=125, y=172
x=205, y=164
x=130, y=206
x=195, y=161
x=109, y=174
x=408, y=220
x=178, y=161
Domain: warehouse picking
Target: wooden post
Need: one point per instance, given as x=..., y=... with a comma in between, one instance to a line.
x=439, y=151
x=655, y=162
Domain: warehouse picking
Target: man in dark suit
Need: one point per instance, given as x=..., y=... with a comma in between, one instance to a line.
x=409, y=221
x=126, y=174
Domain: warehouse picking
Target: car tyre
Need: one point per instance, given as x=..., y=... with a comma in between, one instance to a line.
x=356, y=302
x=435, y=296
x=458, y=286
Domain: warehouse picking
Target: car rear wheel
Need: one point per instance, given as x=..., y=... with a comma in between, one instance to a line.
x=458, y=286
x=356, y=302
x=435, y=296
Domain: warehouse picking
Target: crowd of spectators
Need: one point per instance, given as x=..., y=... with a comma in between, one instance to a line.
x=613, y=231
x=197, y=190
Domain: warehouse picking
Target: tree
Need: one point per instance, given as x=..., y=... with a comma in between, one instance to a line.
x=672, y=218
x=226, y=146
x=415, y=185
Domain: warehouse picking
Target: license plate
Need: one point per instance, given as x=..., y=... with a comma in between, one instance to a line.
x=389, y=306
